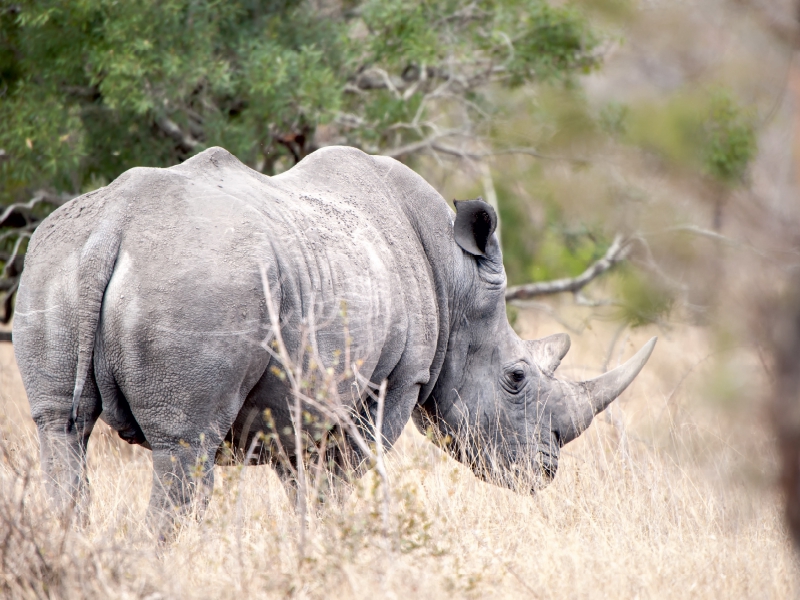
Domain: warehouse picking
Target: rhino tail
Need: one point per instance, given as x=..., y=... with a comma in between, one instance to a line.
x=97, y=261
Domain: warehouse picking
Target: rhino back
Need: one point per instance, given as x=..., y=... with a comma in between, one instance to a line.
x=185, y=310
x=184, y=316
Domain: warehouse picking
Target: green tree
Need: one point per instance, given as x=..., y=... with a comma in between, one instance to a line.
x=90, y=88
x=731, y=146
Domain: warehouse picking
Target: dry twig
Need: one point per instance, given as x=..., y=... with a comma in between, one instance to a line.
x=617, y=252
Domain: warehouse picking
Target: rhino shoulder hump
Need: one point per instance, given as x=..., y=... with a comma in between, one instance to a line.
x=215, y=160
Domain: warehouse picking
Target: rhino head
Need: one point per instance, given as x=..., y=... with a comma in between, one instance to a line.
x=497, y=404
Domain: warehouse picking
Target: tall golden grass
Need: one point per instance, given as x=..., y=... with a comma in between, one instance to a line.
x=671, y=493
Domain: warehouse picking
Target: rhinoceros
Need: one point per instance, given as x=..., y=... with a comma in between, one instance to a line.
x=143, y=304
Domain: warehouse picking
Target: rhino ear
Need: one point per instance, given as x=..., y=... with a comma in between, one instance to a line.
x=548, y=351
x=475, y=224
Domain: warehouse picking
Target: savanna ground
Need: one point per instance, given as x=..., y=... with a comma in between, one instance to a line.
x=670, y=493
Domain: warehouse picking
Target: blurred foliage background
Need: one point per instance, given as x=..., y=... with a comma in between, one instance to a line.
x=580, y=120
x=93, y=87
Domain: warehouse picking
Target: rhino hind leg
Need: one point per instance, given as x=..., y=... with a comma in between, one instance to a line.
x=63, y=462
x=49, y=381
x=183, y=460
x=183, y=479
x=63, y=444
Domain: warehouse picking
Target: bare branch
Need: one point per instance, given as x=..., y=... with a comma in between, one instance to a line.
x=380, y=467
x=17, y=231
x=432, y=144
x=582, y=300
x=767, y=254
x=5, y=303
x=185, y=141
x=13, y=262
x=617, y=252
x=25, y=208
x=426, y=144
x=504, y=152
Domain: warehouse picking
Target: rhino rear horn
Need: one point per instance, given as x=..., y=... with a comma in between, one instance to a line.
x=475, y=224
x=548, y=351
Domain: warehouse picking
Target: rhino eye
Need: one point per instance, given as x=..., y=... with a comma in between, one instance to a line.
x=514, y=378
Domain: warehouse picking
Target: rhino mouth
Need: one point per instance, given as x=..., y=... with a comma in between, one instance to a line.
x=523, y=477
x=524, y=469
x=549, y=468
x=543, y=472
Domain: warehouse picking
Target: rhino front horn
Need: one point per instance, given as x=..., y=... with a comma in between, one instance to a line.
x=593, y=396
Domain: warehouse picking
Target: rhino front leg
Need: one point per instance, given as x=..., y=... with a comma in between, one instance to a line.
x=330, y=482
x=183, y=479
x=325, y=487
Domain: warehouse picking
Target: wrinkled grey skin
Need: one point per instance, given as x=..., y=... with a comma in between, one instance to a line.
x=142, y=303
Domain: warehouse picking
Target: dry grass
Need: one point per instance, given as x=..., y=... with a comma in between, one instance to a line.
x=670, y=495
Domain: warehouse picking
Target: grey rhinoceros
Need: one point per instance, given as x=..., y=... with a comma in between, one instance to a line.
x=143, y=303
